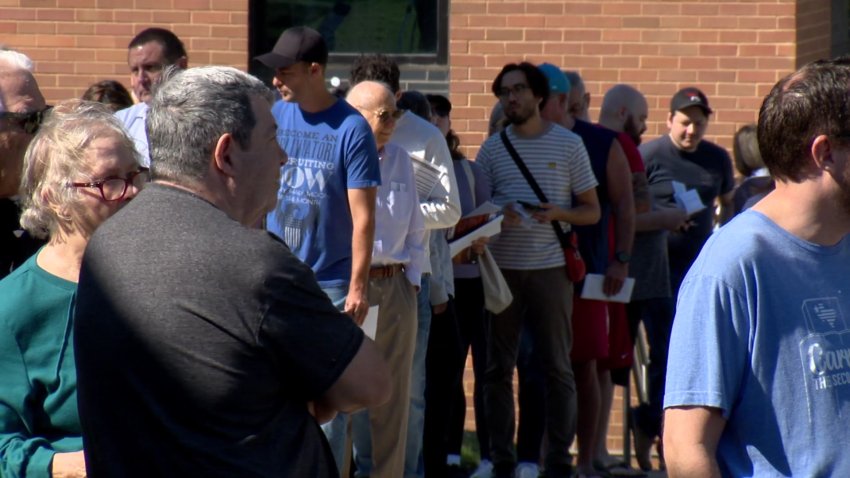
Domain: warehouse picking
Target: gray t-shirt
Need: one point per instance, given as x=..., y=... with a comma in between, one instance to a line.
x=199, y=343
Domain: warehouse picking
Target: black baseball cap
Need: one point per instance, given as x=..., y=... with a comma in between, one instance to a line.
x=687, y=97
x=296, y=44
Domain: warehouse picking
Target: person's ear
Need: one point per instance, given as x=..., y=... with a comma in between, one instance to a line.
x=183, y=62
x=669, y=120
x=821, y=153
x=398, y=96
x=223, y=155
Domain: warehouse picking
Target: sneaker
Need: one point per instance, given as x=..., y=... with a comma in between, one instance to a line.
x=484, y=470
x=527, y=470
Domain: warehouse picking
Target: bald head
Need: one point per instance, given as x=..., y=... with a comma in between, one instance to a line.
x=624, y=108
x=376, y=102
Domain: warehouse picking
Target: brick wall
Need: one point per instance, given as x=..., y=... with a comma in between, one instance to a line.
x=75, y=43
x=733, y=51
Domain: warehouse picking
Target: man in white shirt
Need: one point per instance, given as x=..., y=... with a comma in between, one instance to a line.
x=149, y=53
x=398, y=256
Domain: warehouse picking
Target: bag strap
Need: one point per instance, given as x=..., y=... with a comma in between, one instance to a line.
x=562, y=236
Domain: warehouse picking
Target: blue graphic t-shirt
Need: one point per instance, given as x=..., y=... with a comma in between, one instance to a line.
x=329, y=152
x=762, y=332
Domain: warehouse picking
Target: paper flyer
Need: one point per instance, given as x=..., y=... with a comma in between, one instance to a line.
x=370, y=325
x=488, y=229
x=593, y=289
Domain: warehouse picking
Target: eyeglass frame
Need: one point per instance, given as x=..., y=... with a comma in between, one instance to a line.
x=384, y=115
x=128, y=181
x=29, y=121
x=517, y=89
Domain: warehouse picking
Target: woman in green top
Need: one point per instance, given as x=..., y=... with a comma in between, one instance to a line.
x=79, y=169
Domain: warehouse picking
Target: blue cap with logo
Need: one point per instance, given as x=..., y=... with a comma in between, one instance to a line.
x=558, y=82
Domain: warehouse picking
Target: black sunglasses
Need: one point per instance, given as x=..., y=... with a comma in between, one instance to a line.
x=29, y=122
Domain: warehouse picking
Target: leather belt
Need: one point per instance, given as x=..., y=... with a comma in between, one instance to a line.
x=383, y=272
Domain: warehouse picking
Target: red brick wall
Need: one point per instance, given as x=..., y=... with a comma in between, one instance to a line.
x=813, y=30
x=733, y=51
x=75, y=43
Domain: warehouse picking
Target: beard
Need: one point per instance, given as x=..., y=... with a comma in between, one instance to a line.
x=631, y=129
x=518, y=115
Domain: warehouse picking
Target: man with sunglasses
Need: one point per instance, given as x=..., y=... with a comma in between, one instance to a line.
x=440, y=208
x=150, y=52
x=22, y=108
x=398, y=256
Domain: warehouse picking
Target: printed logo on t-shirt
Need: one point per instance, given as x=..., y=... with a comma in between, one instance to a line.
x=303, y=183
x=825, y=351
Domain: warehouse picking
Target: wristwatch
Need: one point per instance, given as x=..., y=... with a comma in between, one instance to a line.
x=622, y=257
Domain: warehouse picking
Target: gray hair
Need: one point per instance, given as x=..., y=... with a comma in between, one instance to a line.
x=56, y=156
x=12, y=61
x=191, y=110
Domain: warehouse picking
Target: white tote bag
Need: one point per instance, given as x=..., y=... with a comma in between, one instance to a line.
x=497, y=294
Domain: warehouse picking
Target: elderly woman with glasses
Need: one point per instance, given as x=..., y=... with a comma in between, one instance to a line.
x=79, y=170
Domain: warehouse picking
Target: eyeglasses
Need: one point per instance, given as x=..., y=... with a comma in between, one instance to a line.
x=517, y=90
x=114, y=188
x=385, y=115
x=29, y=122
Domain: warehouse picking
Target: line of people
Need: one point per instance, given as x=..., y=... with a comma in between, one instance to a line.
x=220, y=315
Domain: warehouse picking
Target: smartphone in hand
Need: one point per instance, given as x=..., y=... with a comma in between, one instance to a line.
x=530, y=207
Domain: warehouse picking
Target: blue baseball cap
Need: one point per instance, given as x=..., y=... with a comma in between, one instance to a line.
x=558, y=82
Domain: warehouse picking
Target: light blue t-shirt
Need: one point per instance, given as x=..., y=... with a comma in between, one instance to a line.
x=329, y=153
x=762, y=332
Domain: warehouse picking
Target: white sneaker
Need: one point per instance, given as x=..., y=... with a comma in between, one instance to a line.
x=527, y=470
x=484, y=470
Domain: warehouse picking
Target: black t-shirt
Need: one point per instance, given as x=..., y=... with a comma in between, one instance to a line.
x=708, y=169
x=198, y=344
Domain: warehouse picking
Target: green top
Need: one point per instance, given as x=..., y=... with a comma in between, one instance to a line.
x=38, y=396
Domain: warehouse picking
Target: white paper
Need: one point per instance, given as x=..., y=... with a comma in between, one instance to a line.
x=486, y=208
x=690, y=202
x=370, y=325
x=593, y=289
x=686, y=199
x=488, y=229
x=427, y=176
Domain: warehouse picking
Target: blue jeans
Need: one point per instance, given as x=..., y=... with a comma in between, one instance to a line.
x=413, y=463
x=335, y=429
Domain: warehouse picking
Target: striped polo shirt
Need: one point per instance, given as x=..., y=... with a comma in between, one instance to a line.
x=560, y=165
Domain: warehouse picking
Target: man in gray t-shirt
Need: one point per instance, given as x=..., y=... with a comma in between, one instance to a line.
x=204, y=347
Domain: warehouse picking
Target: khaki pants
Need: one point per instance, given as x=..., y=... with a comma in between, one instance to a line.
x=396, y=339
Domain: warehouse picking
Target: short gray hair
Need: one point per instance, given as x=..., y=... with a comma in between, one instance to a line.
x=189, y=113
x=12, y=62
x=56, y=156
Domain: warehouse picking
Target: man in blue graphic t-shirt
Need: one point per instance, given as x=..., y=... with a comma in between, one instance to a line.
x=758, y=375
x=326, y=203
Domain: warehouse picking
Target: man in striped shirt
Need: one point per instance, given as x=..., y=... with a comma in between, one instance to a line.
x=532, y=260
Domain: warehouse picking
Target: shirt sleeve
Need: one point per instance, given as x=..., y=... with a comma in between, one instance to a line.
x=363, y=169
x=708, y=352
x=728, y=176
x=310, y=339
x=21, y=454
x=442, y=207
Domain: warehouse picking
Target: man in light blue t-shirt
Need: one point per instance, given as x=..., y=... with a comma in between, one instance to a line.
x=326, y=203
x=758, y=376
